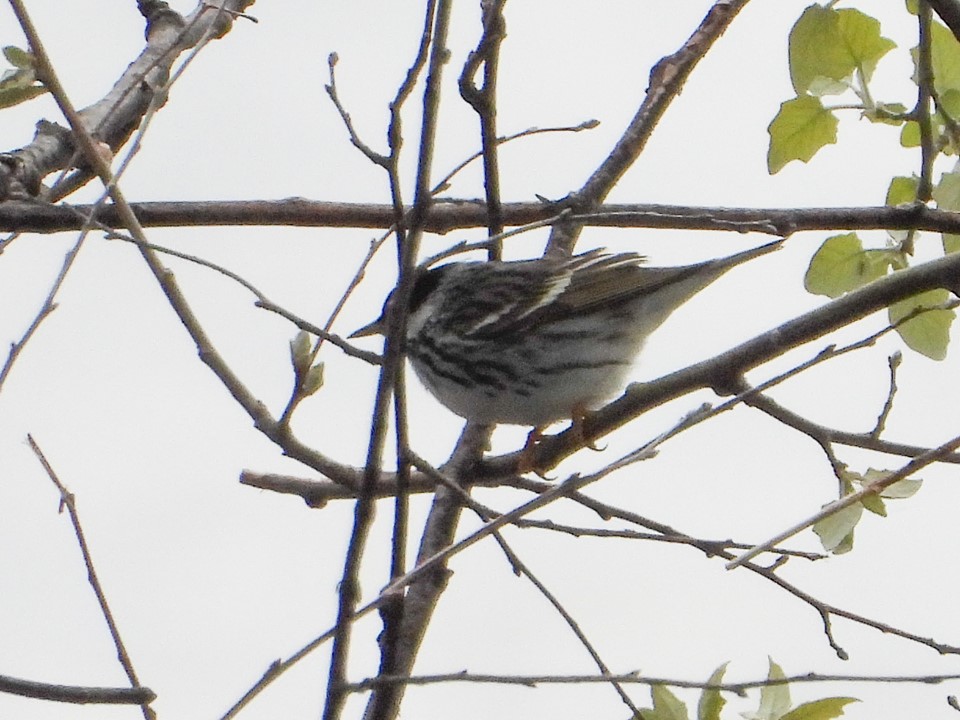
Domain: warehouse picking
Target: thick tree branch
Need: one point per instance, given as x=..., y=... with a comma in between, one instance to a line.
x=446, y=216
x=76, y=693
x=721, y=372
x=113, y=119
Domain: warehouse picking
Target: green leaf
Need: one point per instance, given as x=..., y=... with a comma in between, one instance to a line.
x=860, y=34
x=828, y=46
x=16, y=95
x=666, y=706
x=18, y=79
x=815, y=50
x=910, y=134
x=947, y=112
x=314, y=380
x=944, y=57
x=19, y=84
x=836, y=530
x=800, y=129
x=887, y=113
x=846, y=545
x=711, y=701
x=874, y=503
x=902, y=190
x=774, y=699
x=905, y=488
x=300, y=352
x=841, y=265
x=825, y=709
x=950, y=103
x=929, y=332
x=18, y=58
x=947, y=191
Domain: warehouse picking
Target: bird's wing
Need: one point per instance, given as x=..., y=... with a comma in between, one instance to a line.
x=535, y=293
x=500, y=297
x=521, y=295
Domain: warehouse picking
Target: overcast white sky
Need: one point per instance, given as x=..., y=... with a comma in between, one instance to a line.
x=211, y=581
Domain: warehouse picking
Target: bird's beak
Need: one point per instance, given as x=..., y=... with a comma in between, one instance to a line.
x=374, y=328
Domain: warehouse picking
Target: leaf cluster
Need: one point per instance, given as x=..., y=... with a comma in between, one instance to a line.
x=835, y=52
x=775, y=703
x=19, y=83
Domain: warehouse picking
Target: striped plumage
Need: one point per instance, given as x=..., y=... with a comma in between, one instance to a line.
x=535, y=341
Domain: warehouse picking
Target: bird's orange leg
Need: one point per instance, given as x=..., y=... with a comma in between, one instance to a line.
x=577, y=419
x=527, y=463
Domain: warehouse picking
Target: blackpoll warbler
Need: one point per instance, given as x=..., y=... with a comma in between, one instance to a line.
x=536, y=341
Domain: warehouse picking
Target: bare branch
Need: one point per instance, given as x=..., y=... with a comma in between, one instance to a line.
x=870, y=488
x=392, y=365
x=445, y=216
x=666, y=81
x=637, y=678
x=113, y=118
x=78, y=694
x=68, y=501
x=721, y=371
x=483, y=100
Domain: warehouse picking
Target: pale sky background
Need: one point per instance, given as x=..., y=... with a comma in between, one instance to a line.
x=211, y=581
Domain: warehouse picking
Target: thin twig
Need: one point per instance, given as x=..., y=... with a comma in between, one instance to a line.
x=407, y=246
x=68, y=501
x=715, y=546
x=521, y=568
x=262, y=301
x=846, y=501
x=570, y=621
x=483, y=100
x=639, y=679
x=48, y=306
x=331, y=88
x=893, y=362
x=444, y=183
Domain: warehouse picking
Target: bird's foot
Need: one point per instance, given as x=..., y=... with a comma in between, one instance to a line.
x=578, y=419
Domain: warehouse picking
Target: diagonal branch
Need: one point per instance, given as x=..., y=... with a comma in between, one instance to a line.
x=114, y=117
x=666, y=81
x=68, y=501
x=721, y=371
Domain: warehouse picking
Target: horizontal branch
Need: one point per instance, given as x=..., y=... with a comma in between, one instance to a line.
x=317, y=493
x=76, y=693
x=446, y=216
x=637, y=678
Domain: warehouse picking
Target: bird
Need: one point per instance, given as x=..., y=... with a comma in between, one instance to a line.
x=533, y=342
